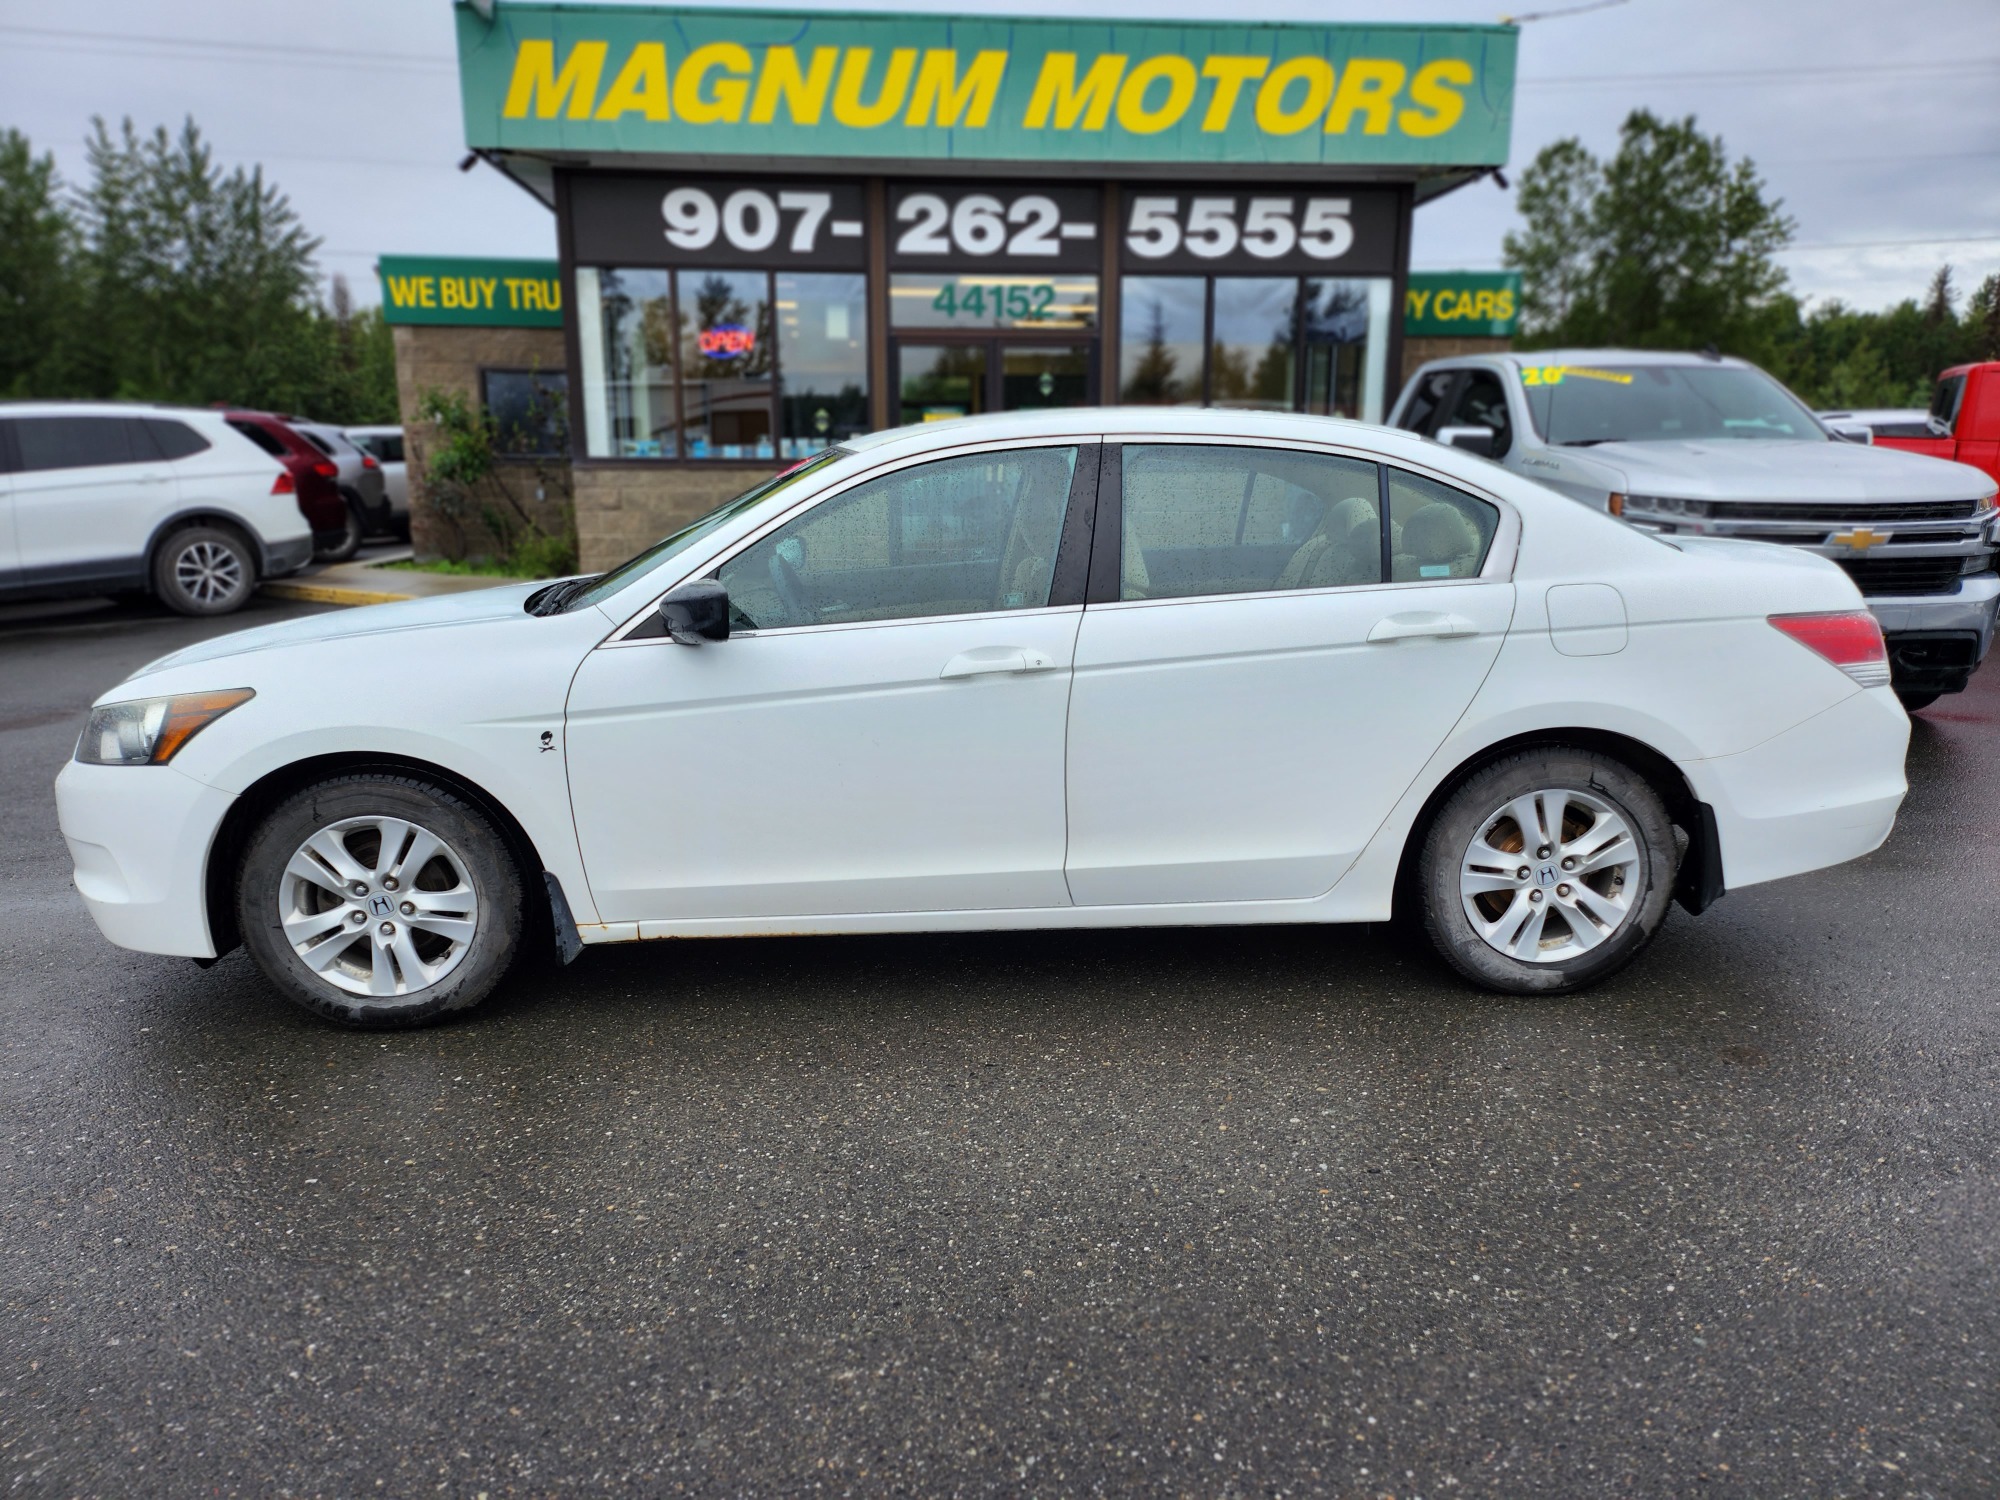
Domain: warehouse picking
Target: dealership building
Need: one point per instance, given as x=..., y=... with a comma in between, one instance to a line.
x=778, y=229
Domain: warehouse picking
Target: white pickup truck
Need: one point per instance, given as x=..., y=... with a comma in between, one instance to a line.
x=1692, y=445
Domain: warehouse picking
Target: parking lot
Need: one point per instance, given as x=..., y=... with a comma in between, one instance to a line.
x=1260, y=1212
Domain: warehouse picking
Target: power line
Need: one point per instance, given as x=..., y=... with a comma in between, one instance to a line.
x=1929, y=239
x=1730, y=76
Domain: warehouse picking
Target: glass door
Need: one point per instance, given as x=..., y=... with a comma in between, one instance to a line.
x=1032, y=378
x=938, y=381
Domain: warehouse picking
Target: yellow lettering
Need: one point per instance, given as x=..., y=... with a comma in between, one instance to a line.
x=1429, y=89
x=1368, y=85
x=1272, y=116
x=1482, y=306
x=427, y=292
x=847, y=106
x=403, y=290
x=725, y=104
x=1058, y=94
x=513, y=285
x=487, y=286
x=641, y=85
x=536, y=81
x=804, y=93
x=1414, y=302
x=1504, y=304
x=531, y=295
x=1179, y=76
x=1230, y=74
x=1447, y=305
x=938, y=89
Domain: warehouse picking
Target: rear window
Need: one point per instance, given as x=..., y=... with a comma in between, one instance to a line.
x=174, y=439
x=78, y=442
x=316, y=440
x=260, y=437
x=386, y=446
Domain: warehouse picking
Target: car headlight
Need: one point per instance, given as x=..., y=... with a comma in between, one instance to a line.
x=150, y=731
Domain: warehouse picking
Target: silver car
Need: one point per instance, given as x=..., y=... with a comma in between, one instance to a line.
x=1694, y=445
x=386, y=445
x=361, y=485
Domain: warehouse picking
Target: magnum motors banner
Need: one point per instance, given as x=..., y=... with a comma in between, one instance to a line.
x=845, y=87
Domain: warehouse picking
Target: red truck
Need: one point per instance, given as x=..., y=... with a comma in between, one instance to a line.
x=1964, y=419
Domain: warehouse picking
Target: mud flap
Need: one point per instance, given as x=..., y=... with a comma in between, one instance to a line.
x=1699, y=885
x=568, y=944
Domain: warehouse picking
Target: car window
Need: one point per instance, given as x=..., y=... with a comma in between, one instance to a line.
x=1425, y=400
x=1579, y=405
x=960, y=536
x=1481, y=402
x=316, y=440
x=386, y=446
x=76, y=442
x=1200, y=519
x=1944, y=405
x=174, y=439
x=1436, y=531
x=260, y=437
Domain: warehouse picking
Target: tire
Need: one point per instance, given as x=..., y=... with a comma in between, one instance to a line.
x=422, y=970
x=1916, y=702
x=1587, y=928
x=204, y=570
x=339, y=546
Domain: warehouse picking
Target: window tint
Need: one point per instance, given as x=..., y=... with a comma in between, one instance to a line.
x=76, y=442
x=1436, y=531
x=1225, y=520
x=1482, y=403
x=260, y=437
x=174, y=439
x=1426, y=399
x=960, y=536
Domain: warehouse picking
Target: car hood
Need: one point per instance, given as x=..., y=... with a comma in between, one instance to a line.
x=441, y=612
x=1766, y=469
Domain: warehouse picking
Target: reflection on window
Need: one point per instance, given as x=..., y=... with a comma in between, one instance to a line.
x=1237, y=520
x=726, y=363
x=529, y=410
x=625, y=324
x=822, y=359
x=941, y=381
x=1255, y=343
x=1160, y=321
x=1435, y=530
x=961, y=536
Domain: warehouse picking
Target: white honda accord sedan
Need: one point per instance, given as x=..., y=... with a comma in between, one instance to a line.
x=1100, y=668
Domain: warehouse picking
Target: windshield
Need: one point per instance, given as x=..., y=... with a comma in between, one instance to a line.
x=610, y=583
x=1575, y=405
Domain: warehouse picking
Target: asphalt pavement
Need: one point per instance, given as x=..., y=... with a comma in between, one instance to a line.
x=1211, y=1213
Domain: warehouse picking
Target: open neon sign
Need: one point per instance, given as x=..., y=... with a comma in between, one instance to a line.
x=726, y=341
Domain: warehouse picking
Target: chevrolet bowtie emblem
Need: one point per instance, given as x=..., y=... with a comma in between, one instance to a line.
x=1860, y=539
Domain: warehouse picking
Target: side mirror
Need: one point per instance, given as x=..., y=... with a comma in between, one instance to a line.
x=1852, y=432
x=697, y=611
x=1472, y=439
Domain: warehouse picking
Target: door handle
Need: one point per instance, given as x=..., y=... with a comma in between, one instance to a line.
x=986, y=660
x=1419, y=626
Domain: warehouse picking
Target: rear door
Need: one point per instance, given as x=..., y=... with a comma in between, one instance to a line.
x=87, y=494
x=1263, y=667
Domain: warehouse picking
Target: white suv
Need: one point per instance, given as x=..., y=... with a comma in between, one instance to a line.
x=101, y=498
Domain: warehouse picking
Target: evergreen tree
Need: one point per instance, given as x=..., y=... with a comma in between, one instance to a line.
x=37, y=251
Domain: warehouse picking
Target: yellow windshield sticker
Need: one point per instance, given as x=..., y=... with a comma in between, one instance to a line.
x=1556, y=374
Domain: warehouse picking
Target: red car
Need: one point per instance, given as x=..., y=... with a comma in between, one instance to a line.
x=314, y=477
x=1964, y=419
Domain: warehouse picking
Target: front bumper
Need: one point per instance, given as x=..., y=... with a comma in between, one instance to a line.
x=1943, y=637
x=139, y=838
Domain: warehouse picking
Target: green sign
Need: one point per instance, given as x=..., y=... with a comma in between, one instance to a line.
x=1462, y=304
x=490, y=293
x=853, y=87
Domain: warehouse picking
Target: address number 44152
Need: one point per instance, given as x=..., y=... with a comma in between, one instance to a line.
x=1271, y=228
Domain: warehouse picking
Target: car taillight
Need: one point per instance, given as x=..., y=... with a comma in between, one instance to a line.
x=326, y=470
x=368, y=461
x=1850, y=639
x=284, y=484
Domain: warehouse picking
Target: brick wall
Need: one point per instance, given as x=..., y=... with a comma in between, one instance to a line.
x=451, y=359
x=622, y=508
x=1422, y=351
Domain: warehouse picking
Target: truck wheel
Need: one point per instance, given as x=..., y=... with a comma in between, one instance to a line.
x=379, y=901
x=338, y=546
x=1912, y=702
x=1547, y=871
x=204, y=570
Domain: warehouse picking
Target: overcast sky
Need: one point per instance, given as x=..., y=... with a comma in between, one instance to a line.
x=1877, y=123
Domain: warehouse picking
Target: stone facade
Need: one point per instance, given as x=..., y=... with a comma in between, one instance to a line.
x=622, y=508
x=1422, y=351
x=450, y=358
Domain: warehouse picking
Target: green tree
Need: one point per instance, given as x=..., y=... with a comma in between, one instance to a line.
x=1670, y=244
x=37, y=249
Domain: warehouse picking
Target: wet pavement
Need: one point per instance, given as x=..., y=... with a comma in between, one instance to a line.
x=1267, y=1212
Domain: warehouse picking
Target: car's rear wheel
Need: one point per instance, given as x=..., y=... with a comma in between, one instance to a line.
x=379, y=901
x=339, y=546
x=1547, y=871
x=204, y=570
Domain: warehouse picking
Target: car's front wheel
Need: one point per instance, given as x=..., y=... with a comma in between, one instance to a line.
x=1547, y=871
x=204, y=570
x=378, y=900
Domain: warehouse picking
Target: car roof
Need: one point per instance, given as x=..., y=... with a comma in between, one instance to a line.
x=1088, y=423
x=33, y=408
x=1621, y=357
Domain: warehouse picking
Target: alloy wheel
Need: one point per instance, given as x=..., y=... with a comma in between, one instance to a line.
x=208, y=572
x=378, y=906
x=1550, y=876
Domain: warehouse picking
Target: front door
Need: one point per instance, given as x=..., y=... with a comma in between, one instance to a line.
x=1273, y=672
x=963, y=377
x=882, y=732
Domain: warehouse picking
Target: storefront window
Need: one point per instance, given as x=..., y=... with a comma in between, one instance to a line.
x=1055, y=303
x=1274, y=343
x=822, y=360
x=625, y=325
x=726, y=362
x=1160, y=322
x=530, y=411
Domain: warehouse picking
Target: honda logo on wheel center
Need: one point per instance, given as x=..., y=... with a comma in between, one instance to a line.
x=381, y=905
